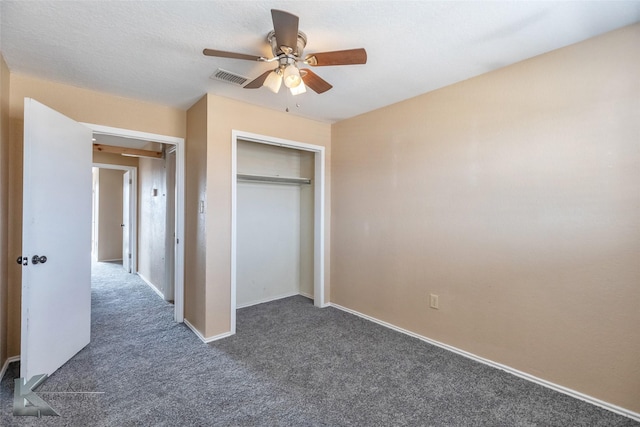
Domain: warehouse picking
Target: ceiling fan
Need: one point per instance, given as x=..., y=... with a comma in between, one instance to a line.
x=287, y=45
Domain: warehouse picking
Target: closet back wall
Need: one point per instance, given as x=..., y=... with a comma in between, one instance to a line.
x=275, y=225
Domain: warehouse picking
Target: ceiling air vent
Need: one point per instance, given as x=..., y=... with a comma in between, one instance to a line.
x=229, y=77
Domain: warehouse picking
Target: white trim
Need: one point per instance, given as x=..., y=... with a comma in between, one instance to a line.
x=178, y=290
x=6, y=365
x=180, y=207
x=318, y=232
x=133, y=209
x=109, y=260
x=151, y=285
x=564, y=390
x=306, y=295
x=318, y=217
x=234, y=210
x=202, y=338
x=262, y=301
x=133, y=134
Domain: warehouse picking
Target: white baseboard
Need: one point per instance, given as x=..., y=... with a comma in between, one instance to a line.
x=262, y=301
x=306, y=295
x=202, y=337
x=6, y=365
x=573, y=393
x=151, y=285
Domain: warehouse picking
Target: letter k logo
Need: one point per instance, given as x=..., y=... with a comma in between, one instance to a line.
x=23, y=393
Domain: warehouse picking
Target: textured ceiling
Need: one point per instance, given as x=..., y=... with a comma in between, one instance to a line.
x=153, y=50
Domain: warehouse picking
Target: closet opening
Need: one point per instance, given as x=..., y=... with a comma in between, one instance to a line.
x=277, y=221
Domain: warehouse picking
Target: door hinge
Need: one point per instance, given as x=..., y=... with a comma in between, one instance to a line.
x=130, y=181
x=129, y=255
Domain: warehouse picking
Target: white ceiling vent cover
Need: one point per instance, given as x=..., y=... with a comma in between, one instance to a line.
x=229, y=77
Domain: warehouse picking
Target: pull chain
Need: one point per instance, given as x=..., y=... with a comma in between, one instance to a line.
x=289, y=96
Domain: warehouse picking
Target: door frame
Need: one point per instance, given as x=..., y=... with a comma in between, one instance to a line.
x=179, y=143
x=318, y=211
x=133, y=209
x=170, y=264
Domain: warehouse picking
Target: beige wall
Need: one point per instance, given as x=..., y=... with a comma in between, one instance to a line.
x=195, y=238
x=4, y=205
x=514, y=197
x=223, y=116
x=96, y=107
x=109, y=214
x=14, y=285
x=84, y=106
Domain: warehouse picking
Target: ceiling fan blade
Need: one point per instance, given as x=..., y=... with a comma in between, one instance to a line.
x=257, y=83
x=224, y=54
x=338, y=57
x=314, y=81
x=285, y=25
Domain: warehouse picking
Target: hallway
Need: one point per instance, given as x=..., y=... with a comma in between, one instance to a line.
x=135, y=346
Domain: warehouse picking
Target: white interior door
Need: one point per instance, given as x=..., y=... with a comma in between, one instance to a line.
x=126, y=225
x=56, y=293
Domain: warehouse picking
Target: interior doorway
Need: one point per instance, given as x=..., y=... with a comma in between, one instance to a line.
x=114, y=214
x=160, y=190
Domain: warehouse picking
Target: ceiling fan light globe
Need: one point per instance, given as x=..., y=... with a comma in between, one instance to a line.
x=292, y=76
x=297, y=90
x=273, y=82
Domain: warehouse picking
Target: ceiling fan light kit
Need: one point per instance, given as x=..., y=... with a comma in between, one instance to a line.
x=287, y=45
x=297, y=90
x=273, y=81
x=291, y=76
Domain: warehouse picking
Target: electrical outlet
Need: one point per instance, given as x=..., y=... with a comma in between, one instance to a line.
x=433, y=301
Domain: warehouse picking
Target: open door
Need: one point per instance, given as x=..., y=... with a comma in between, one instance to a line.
x=126, y=228
x=56, y=240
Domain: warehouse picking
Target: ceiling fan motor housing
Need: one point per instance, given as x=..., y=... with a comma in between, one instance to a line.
x=295, y=51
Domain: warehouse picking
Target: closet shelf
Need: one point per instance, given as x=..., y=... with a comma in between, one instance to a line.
x=274, y=179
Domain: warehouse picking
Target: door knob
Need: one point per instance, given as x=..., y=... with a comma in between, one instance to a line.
x=23, y=260
x=38, y=259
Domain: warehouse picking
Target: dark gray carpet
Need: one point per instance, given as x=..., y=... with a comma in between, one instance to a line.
x=290, y=364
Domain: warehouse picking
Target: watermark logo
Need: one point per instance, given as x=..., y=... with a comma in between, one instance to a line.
x=26, y=401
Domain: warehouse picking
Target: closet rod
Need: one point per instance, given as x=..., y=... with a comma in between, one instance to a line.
x=277, y=179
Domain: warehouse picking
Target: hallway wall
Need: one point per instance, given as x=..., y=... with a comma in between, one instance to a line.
x=152, y=220
x=4, y=206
